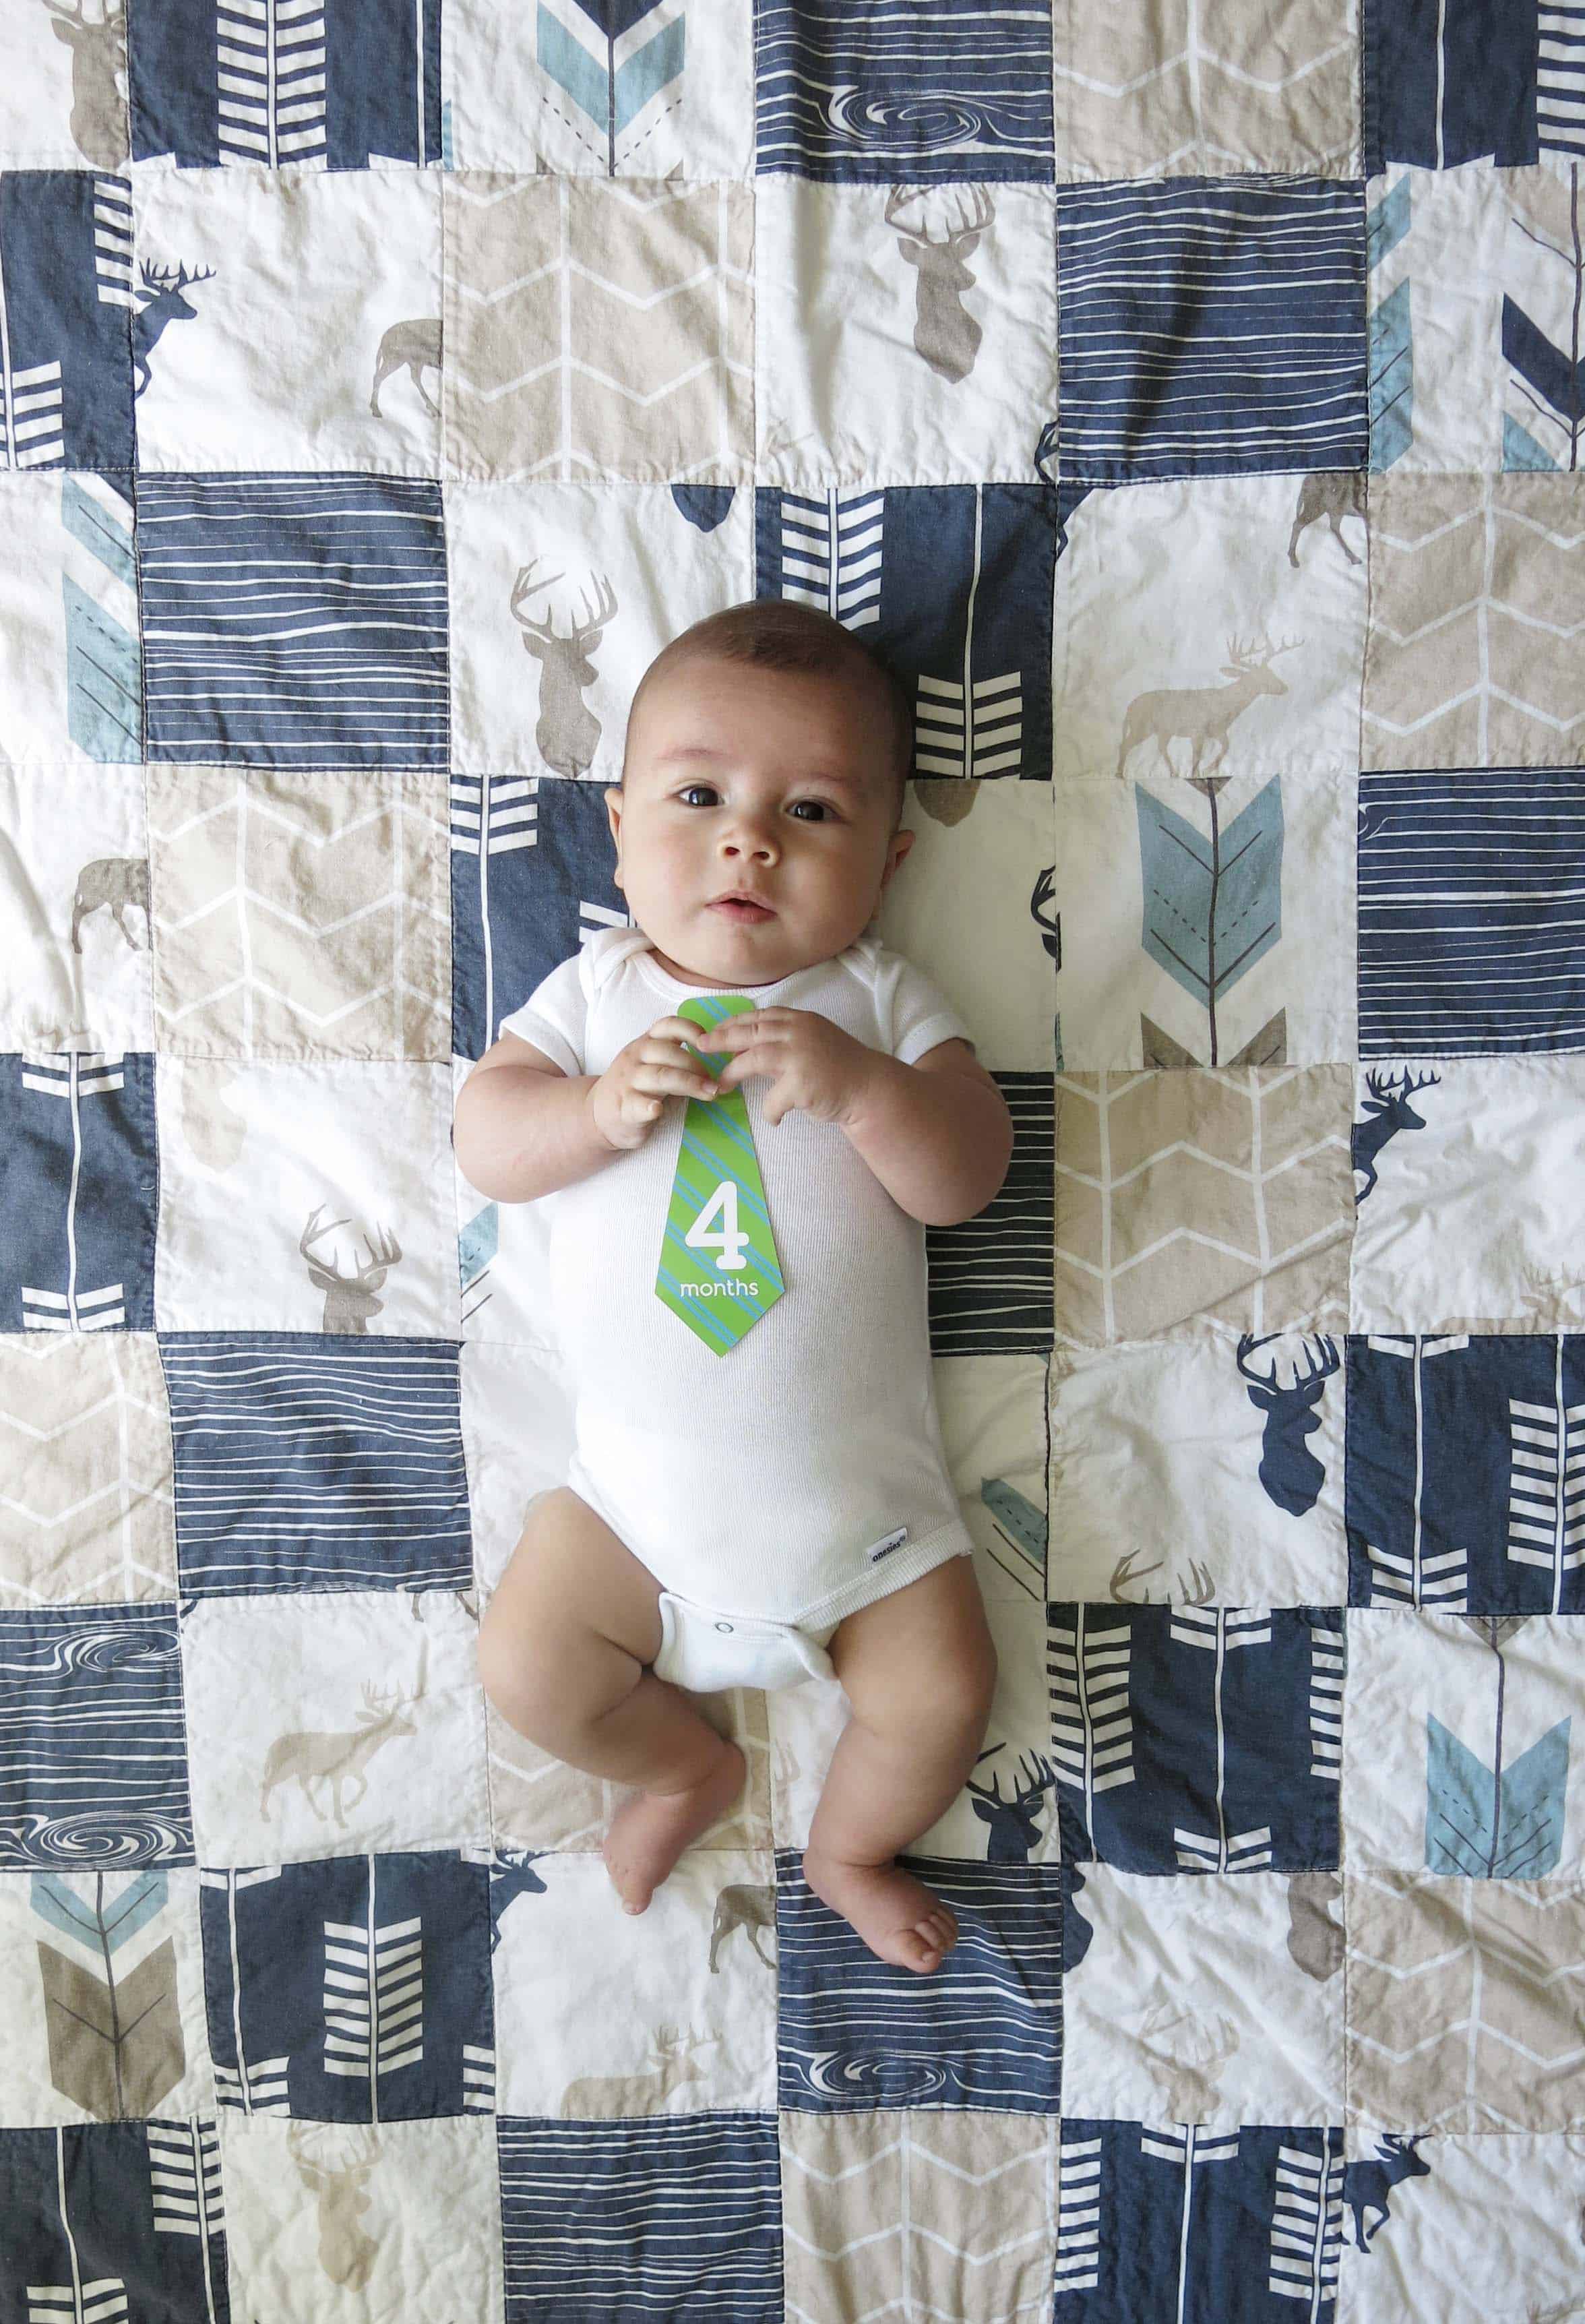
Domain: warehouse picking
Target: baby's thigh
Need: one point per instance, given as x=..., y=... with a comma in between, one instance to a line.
x=921, y=1659
x=571, y=1592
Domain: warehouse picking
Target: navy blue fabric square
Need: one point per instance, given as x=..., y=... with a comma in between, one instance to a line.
x=66, y=264
x=1462, y=949
x=1448, y=81
x=356, y=1988
x=923, y=95
x=531, y=865
x=1157, y=2224
x=1462, y=1484
x=82, y=2229
x=308, y=1462
x=294, y=621
x=79, y=1192
x=991, y=1276
x=952, y=586
x=341, y=83
x=677, y=2218
x=97, y=1692
x=1197, y=1738
x=983, y=2031
x=1211, y=326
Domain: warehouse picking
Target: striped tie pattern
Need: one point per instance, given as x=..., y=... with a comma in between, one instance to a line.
x=718, y=1270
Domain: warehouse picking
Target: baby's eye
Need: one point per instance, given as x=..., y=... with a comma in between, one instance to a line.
x=710, y=787
x=821, y=804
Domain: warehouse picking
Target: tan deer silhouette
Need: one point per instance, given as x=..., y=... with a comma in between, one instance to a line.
x=349, y=1299
x=567, y=730
x=945, y=333
x=335, y=1755
x=1202, y=714
x=99, y=61
x=414, y=345
x=346, y=2254
x=602, y=2096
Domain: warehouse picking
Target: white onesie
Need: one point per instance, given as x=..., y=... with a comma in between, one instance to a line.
x=775, y=1488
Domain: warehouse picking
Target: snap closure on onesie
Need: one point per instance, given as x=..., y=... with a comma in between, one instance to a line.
x=704, y=1653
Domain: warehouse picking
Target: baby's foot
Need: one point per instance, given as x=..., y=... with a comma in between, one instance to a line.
x=650, y=1831
x=897, y=1916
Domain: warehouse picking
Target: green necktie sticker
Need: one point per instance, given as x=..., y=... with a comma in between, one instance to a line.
x=719, y=1270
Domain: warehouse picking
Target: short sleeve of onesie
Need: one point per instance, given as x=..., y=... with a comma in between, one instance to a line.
x=554, y=1014
x=917, y=1013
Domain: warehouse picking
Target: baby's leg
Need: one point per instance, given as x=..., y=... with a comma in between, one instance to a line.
x=918, y=1669
x=562, y=1649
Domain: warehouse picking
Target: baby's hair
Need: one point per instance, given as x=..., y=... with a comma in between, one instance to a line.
x=777, y=634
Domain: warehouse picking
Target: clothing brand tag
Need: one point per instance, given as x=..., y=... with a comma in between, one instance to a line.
x=878, y=1550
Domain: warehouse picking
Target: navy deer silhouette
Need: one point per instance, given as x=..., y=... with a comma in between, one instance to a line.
x=1369, y=2183
x=1015, y=1823
x=1289, y=1470
x=1388, y=1111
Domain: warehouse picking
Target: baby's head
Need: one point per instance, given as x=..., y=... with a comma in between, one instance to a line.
x=768, y=749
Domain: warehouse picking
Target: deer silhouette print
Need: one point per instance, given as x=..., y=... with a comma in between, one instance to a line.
x=160, y=292
x=349, y=1299
x=413, y=347
x=336, y=1755
x=945, y=333
x=346, y=2254
x=1387, y=1112
x=1289, y=1470
x=1015, y=1821
x=1201, y=716
x=121, y=882
x=98, y=76
x=1368, y=2184
x=603, y=2096
x=567, y=729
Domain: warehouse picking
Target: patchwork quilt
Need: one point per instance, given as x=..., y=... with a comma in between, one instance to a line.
x=1188, y=400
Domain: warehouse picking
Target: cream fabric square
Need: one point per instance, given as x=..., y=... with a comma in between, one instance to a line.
x=917, y=347
x=601, y=2013
x=1213, y=625
x=670, y=95
x=1188, y=2005
x=261, y=377
x=337, y=1722
x=259, y=1161
x=69, y=669
x=78, y=885
x=561, y=597
x=1473, y=1216
x=1204, y=1474
x=102, y=1993
x=1206, y=925
x=300, y=913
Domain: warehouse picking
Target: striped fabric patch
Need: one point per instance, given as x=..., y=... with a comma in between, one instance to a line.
x=1470, y=935
x=1560, y=78
x=933, y=94
x=305, y=1461
x=1210, y=329
x=294, y=620
x=982, y=2030
x=679, y=2215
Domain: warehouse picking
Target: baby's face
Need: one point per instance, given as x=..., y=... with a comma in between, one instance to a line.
x=765, y=781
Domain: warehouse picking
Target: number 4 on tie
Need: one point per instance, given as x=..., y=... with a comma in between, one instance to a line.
x=719, y=1271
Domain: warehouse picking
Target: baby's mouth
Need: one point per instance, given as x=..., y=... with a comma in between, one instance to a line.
x=743, y=908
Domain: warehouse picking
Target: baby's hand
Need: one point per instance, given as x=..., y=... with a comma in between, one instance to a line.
x=812, y=1062
x=631, y=1094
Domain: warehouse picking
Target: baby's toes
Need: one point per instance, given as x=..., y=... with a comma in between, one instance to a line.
x=939, y=1928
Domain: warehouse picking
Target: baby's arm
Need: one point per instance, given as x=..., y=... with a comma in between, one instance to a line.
x=937, y=1133
x=523, y=1127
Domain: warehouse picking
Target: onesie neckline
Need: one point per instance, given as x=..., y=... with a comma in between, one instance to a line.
x=672, y=987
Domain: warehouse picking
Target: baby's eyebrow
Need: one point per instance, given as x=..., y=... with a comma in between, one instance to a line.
x=701, y=751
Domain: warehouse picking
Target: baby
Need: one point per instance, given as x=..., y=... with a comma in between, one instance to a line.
x=748, y=1511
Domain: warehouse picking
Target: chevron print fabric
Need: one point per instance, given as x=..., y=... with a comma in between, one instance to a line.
x=1188, y=403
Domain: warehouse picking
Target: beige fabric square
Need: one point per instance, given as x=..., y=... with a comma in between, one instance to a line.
x=917, y=2212
x=87, y=1515
x=1200, y=1204
x=598, y=328
x=1154, y=88
x=299, y=914
x=1465, y=2003
x=1477, y=604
